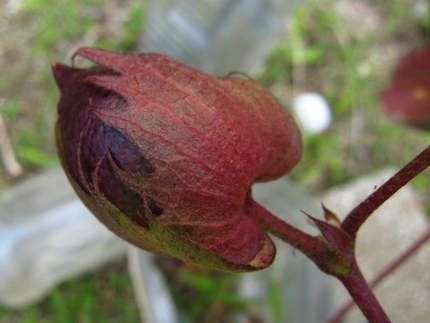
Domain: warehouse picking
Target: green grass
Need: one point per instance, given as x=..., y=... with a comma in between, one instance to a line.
x=322, y=53
x=102, y=296
x=212, y=294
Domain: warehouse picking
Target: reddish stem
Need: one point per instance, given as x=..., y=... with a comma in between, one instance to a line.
x=322, y=256
x=361, y=212
x=311, y=246
x=363, y=296
x=384, y=273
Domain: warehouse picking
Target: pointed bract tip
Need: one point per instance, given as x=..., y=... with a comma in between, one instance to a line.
x=114, y=61
x=62, y=74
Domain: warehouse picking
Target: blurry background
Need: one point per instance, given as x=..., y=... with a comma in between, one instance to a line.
x=341, y=49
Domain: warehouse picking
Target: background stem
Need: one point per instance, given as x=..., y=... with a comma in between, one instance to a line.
x=11, y=166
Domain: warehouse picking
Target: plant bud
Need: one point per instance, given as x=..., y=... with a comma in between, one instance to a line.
x=165, y=155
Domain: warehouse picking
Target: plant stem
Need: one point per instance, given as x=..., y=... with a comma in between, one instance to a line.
x=320, y=253
x=311, y=246
x=361, y=212
x=363, y=296
x=384, y=273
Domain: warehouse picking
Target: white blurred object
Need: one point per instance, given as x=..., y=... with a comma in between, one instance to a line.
x=312, y=112
x=46, y=237
x=153, y=297
x=420, y=9
x=217, y=37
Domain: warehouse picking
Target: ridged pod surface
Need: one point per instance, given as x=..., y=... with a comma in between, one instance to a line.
x=165, y=155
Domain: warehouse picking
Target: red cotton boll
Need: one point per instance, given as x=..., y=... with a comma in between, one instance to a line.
x=407, y=99
x=165, y=155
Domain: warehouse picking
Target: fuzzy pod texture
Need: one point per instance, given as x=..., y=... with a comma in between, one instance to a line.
x=165, y=155
x=407, y=99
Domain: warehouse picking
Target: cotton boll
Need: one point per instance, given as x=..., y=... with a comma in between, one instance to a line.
x=150, y=160
x=312, y=112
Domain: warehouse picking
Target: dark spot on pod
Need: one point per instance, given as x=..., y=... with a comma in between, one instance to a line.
x=101, y=141
x=125, y=155
x=106, y=94
x=106, y=99
x=128, y=202
x=146, y=164
x=154, y=207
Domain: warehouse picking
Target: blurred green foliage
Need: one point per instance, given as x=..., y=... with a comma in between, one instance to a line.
x=206, y=296
x=47, y=32
x=325, y=53
x=102, y=296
